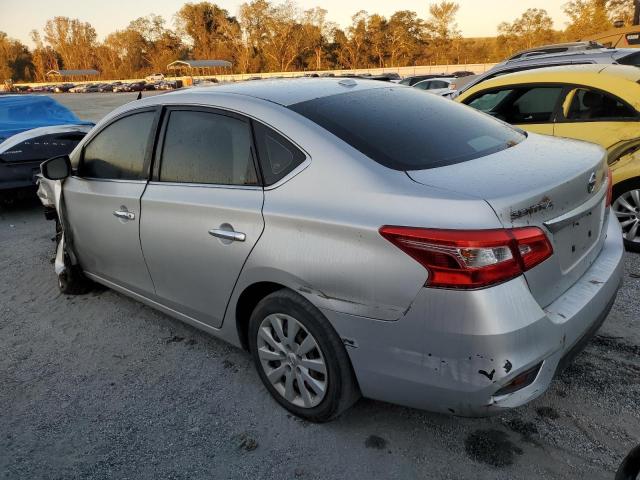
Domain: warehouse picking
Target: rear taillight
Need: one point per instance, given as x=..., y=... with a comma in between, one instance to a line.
x=609, y=187
x=468, y=259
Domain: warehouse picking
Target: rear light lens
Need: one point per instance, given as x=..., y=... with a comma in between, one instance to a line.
x=467, y=259
x=525, y=379
x=609, y=187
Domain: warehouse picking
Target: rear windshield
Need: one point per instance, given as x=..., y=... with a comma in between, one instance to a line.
x=404, y=128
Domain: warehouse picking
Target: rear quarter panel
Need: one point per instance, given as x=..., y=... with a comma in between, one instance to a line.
x=321, y=234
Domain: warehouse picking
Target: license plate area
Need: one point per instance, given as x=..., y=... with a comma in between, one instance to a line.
x=573, y=242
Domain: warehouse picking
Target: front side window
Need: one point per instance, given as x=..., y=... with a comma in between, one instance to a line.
x=404, y=129
x=520, y=105
x=535, y=105
x=594, y=105
x=426, y=85
x=118, y=151
x=490, y=101
x=205, y=147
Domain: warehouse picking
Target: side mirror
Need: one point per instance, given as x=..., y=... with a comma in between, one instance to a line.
x=56, y=168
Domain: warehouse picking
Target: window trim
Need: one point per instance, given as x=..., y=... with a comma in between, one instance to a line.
x=148, y=150
x=160, y=139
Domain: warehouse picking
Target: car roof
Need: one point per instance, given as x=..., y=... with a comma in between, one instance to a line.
x=626, y=72
x=619, y=79
x=438, y=79
x=294, y=90
x=596, y=55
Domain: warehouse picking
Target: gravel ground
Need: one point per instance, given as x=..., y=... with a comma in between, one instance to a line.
x=99, y=386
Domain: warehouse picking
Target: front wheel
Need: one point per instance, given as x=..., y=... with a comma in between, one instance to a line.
x=626, y=206
x=300, y=358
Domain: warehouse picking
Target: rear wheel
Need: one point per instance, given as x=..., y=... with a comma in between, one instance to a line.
x=300, y=358
x=626, y=206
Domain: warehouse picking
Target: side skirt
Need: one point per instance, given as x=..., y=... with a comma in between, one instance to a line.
x=216, y=332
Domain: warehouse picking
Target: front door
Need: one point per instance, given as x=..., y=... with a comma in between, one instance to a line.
x=103, y=202
x=202, y=213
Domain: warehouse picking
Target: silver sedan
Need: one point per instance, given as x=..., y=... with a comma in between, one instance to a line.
x=357, y=237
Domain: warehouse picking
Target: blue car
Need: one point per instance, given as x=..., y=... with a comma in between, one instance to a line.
x=19, y=113
x=33, y=128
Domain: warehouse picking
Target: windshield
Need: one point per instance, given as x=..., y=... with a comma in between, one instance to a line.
x=404, y=129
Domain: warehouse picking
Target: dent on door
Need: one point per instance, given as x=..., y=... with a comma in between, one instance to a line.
x=195, y=241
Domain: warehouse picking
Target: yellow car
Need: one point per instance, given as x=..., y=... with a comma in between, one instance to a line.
x=595, y=103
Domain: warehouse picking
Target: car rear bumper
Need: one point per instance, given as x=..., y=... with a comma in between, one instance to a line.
x=453, y=350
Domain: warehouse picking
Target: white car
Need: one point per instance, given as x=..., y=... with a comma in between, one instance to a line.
x=437, y=86
x=155, y=77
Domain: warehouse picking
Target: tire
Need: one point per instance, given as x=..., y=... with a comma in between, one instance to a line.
x=296, y=361
x=629, y=193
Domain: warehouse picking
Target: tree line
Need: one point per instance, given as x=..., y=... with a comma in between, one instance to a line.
x=266, y=36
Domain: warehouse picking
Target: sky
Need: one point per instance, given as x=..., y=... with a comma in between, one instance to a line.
x=476, y=18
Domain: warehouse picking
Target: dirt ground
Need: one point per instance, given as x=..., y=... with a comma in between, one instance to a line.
x=99, y=386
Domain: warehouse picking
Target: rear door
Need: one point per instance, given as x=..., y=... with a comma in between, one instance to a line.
x=202, y=210
x=596, y=116
x=102, y=200
x=531, y=107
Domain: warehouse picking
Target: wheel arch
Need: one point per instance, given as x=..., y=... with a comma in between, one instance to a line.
x=246, y=303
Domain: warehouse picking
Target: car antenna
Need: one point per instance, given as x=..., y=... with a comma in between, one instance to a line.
x=139, y=95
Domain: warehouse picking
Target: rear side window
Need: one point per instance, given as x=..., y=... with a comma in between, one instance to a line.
x=594, y=105
x=278, y=156
x=118, y=151
x=404, y=129
x=204, y=147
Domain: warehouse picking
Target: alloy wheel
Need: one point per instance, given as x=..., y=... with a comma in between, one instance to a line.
x=627, y=209
x=292, y=360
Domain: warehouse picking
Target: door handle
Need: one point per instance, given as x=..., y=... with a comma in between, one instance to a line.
x=228, y=235
x=124, y=214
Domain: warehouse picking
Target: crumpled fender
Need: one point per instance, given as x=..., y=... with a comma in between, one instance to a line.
x=63, y=245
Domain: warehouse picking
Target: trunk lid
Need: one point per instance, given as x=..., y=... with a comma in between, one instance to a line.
x=556, y=184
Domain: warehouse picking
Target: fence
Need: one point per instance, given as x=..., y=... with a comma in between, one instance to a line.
x=402, y=71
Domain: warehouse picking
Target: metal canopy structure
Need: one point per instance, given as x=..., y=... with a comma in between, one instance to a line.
x=198, y=67
x=72, y=74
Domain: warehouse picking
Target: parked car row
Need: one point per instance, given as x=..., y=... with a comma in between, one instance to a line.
x=116, y=86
